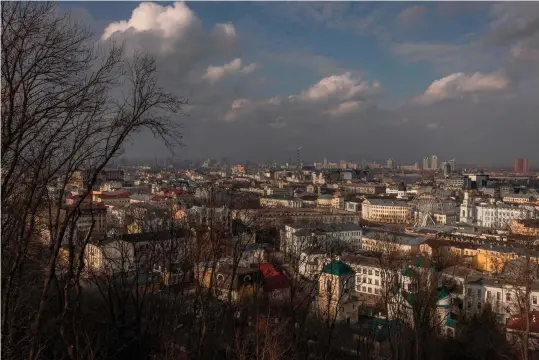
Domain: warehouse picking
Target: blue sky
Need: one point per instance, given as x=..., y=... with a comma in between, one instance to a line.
x=386, y=64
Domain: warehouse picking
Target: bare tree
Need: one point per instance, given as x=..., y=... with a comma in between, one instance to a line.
x=66, y=105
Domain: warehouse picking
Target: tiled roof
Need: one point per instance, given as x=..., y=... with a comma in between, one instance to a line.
x=274, y=279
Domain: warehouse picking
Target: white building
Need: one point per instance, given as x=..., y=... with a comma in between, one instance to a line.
x=388, y=211
x=297, y=238
x=500, y=215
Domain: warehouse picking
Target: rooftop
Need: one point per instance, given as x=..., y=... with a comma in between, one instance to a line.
x=338, y=268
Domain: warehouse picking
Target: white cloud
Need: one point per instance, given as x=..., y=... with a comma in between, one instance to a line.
x=341, y=87
x=167, y=21
x=216, y=73
x=171, y=29
x=345, y=108
x=458, y=84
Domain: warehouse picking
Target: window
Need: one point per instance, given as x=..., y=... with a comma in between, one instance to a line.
x=364, y=279
x=507, y=296
x=370, y=271
x=370, y=290
x=469, y=292
x=377, y=291
x=376, y=282
x=377, y=273
x=469, y=305
x=534, y=300
x=478, y=292
x=364, y=271
x=363, y=288
x=489, y=294
x=370, y=281
x=478, y=306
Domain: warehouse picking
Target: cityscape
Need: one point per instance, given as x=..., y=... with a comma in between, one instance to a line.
x=157, y=205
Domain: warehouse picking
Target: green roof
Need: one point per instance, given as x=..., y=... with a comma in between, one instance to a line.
x=338, y=268
x=442, y=293
x=451, y=320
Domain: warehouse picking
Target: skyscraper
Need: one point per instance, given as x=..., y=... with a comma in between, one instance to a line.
x=521, y=165
x=434, y=162
x=390, y=163
x=425, y=163
x=453, y=163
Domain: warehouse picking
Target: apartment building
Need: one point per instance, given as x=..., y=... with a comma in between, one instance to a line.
x=125, y=252
x=90, y=213
x=281, y=201
x=366, y=189
x=379, y=241
x=386, y=211
x=499, y=215
x=296, y=237
x=519, y=199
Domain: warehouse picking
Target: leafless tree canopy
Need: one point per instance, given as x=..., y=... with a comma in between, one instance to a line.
x=67, y=104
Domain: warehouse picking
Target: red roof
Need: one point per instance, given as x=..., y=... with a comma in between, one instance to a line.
x=119, y=195
x=274, y=279
x=518, y=323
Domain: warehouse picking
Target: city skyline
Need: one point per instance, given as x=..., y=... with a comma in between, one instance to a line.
x=340, y=78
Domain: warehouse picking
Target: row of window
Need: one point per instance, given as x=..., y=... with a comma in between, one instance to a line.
x=508, y=295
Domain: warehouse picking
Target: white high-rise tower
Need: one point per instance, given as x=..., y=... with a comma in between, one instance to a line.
x=434, y=162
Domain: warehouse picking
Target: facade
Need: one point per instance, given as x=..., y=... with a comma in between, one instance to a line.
x=425, y=163
x=386, y=211
x=281, y=201
x=125, y=252
x=500, y=215
x=335, y=286
x=90, y=213
x=297, y=238
x=503, y=298
x=366, y=189
x=519, y=199
x=352, y=206
x=529, y=227
x=378, y=241
x=113, y=198
x=434, y=162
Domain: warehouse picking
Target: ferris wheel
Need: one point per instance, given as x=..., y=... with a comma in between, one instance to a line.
x=424, y=207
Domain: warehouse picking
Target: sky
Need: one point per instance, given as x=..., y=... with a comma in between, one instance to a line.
x=343, y=80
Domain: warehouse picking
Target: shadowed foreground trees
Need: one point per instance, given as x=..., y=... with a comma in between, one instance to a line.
x=67, y=104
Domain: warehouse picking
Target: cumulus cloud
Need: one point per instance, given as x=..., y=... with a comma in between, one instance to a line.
x=458, y=84
x=173, y=29
x=344, y=108
x=216, y=73
x=167, y=21
x=412, y=16
x=340, y=87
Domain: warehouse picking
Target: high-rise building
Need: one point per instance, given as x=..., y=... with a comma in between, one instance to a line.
x=521, y=165
x=453, y=163
x=425, y=163
x=447, y=169
x=434, y=162
x=325, y=163
x=390, y=163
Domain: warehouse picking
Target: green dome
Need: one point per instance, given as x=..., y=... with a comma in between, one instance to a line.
x=338, y=268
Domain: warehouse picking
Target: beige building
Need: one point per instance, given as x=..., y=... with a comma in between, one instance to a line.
x=277, y=201
x=518, y=199
x=386, y=211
